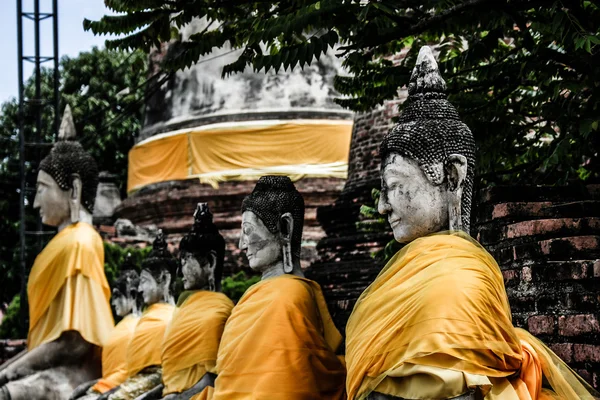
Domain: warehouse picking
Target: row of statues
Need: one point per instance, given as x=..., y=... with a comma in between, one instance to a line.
x=435, y=323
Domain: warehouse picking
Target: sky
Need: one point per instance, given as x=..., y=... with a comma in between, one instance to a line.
x=72, y=39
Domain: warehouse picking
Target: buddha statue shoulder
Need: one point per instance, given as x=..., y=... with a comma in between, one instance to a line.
x=143, y=352
x=436, y=322
x=69, y=310
x=279, y=341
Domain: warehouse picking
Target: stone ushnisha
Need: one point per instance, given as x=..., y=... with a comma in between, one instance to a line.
x=69, y=311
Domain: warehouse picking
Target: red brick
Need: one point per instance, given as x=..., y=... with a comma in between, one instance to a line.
x=519, y=208
x=586, y=353
x=526, y=274
x=574, y=325
x=563, y=350
x=554, y=246
x=541, y=324
x=597, y=269
x=510, y=276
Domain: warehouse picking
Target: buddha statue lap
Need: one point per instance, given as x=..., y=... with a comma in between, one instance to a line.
x=69, y=311
x=189, y=350
x=144, y=350
x=280, y=341
x=436, y=322
x=114, y=353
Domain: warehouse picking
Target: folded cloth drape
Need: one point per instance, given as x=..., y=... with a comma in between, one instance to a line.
x=279, y=343
x=438, y=308
x=67, y=288
x=114, y=355
x=144, y=349
x=192, y=339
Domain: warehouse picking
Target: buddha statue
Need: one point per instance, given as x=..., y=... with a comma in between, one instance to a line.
x=189, y=349
x=280, y=341
x=436, y=323
x=69, y=311
x=114, y=353
x=144, y=350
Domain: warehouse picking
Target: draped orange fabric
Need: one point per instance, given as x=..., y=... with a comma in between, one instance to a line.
x=145, y=346
x=67, y=288
x=279, y=343
x=441, y=303
x=114, y=355
x=192, y=339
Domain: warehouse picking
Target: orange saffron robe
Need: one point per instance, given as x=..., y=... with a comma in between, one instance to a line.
x=279, y=344
x=439, y=309
x=114, y=355
x=192, y=339
x=67, y=288
x=145, y=346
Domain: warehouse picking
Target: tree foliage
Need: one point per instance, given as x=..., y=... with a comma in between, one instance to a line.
x=105, y=90
x=523, y=74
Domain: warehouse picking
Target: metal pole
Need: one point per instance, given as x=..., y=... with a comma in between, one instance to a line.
x=56, y=72
x=38, y=104
x=22, y=250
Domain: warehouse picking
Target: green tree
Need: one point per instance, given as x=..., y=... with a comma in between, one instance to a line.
x=523, y=74
x=106, y=91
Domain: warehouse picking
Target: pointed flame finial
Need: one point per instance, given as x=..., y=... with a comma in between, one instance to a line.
x=426, y=76
x=67, y=126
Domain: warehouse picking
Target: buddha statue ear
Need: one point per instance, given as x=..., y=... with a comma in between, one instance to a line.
x=211, y=259
x=456, y=172
x=75, y=198
x=165, y=281
x=286, y=228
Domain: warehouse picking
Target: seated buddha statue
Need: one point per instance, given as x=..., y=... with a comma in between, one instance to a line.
x=189, y=349
x=144, y=350
x=114, y=353
x=436, y=322
x=280, y=341
x=69, y=312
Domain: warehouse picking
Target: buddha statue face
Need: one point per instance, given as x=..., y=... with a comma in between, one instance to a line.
x=428, y=160
x=125, y=292
x=263, y=248
x=123, y=304
x=53, y=202
x=272, y=221
x=154, y=289
x=197, y=271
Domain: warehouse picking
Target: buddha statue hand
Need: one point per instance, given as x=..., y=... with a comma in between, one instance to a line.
x=4, y=393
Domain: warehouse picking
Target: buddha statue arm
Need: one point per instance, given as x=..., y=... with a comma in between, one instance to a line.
x=69, y=348
x=207, y=380
x=82, y=389
x=152, y=394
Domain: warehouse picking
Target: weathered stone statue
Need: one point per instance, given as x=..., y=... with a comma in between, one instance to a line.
x=69, y=310
x=144, y=351
x=436, y=323
x=280, y=341
x=114, y=353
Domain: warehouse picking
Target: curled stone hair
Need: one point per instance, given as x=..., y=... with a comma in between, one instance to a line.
x=429, y=130
x=68, y=157
x=203, y=238
x=129, y=279
x=160, y=259
x=272, y=197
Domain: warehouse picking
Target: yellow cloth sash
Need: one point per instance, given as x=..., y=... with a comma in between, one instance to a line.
x=279, y=343
x=145, y=346
x=67, y=289
x=440, y=303
x=114, y=355
x=192, y=339
x=243, y=151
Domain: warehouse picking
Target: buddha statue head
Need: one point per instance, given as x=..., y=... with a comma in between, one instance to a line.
x=201, y=253
x=428, y=160
x=272, y=222
x=156, y=273
x=67, y=180
x=125, y=291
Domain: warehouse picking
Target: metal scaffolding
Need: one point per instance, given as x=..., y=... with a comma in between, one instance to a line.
x=32, y=144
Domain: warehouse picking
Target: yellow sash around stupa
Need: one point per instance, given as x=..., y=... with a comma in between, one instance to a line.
x=145, y=346
x=192, y=339
x=279, y=344
x=439, y=308
x=114, y=355
x=67, y=288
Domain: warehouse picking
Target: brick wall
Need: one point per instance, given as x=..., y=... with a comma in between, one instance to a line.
x=547, y=243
